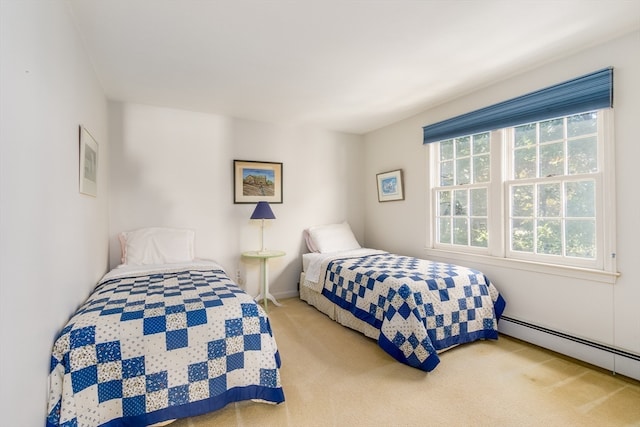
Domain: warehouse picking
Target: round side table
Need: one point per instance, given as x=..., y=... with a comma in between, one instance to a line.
x=263, y=256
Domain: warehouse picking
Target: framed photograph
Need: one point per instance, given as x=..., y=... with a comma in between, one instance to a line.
x=255, y=182
x=88, y=163
x=390, y=186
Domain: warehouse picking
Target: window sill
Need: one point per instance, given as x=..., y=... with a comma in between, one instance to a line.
x=537, y=267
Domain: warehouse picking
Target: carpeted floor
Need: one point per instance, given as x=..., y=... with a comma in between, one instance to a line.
x=333, y=376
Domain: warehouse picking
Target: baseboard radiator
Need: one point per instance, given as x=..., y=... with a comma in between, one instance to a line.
x=611, y=358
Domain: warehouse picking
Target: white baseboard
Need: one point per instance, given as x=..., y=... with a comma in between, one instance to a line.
x=627, y=367
x=286, y=294
x=615, y=360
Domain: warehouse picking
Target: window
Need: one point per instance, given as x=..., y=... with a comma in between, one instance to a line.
x=534, y=191
x=462, y=194
x=530, y=178
x=552, y=187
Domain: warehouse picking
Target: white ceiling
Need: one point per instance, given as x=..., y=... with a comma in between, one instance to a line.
x=345, y=65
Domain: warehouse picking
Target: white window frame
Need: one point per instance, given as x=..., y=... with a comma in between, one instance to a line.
x=468, y=187
x=498, y=252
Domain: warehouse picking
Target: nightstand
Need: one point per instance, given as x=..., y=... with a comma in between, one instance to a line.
x=263, y=256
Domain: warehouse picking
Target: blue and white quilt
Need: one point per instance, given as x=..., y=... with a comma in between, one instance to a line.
x=419, y=306
x=159, y=345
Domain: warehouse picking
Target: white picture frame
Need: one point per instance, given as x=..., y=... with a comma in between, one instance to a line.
x=88, y=172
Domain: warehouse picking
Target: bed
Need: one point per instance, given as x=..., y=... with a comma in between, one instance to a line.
x=163, y=336
x=414, y=308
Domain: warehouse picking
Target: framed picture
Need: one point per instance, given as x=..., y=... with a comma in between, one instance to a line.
x=255, y=182
x=88, y=163
x=390, y=186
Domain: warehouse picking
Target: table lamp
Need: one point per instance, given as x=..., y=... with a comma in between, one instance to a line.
x=262, y=211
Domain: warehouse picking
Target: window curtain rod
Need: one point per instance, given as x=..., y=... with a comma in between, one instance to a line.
x=589, y=92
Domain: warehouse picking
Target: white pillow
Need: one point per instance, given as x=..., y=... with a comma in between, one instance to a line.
x=157, y=245
x=331, y=238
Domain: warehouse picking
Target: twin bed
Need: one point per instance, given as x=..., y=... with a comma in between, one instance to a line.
x=163, y=336
x=412, y=307
x=166, y=336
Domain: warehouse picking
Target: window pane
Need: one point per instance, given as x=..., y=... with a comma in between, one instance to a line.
x=550, y=237
x=446, y=174
x=552, y=159
x=549, y=200
x=445, y=230
x=460, y=231
x=551, y=130
x=463, y=146
x=481, y=143
x=446, y=150
x=582, y=124
x=479, y=233
x=581, y=238
x=525, y=135
x=478, y=202
x=463, y=171
x=481, y=168
x=522, y=235
x=444, y=203
x=583, y=156
x=460, y=202
x=581, y=199
x=524, y=163
x=522, y=200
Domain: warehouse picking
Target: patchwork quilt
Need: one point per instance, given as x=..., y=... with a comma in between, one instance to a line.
x=419, y=306
x=161, y=345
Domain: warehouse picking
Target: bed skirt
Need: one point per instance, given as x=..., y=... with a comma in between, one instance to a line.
x=340, y=315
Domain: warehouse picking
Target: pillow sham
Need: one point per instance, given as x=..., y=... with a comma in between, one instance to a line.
x=309, y=241
x=331, y=238
x=157, y=245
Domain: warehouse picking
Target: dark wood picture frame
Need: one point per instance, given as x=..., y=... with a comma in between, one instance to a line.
x=256, y=181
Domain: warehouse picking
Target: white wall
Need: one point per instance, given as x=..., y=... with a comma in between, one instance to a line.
x=53, y=240
x=596, y=311
x=174, y=168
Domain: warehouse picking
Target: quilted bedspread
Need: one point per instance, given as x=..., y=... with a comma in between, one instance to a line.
x=419, y=306
x=169, y=344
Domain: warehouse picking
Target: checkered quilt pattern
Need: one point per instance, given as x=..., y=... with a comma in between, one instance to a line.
x=150, y=348
x=419, y=306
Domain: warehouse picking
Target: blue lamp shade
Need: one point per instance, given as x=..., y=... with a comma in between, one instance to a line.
x=263, y=211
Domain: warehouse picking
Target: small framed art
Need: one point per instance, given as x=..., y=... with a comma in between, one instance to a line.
x=255, y=182
x=390, y=186
x=88, y=163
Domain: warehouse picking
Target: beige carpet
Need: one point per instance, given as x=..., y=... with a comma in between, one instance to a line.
x=333, y=376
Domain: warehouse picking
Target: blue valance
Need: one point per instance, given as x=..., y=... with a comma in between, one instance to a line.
x=590, y=92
